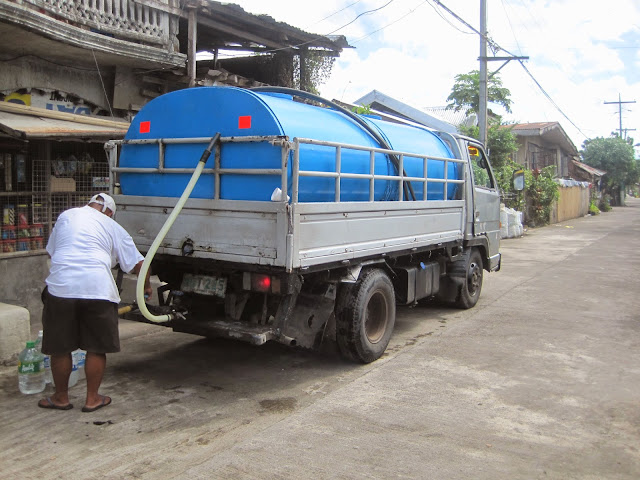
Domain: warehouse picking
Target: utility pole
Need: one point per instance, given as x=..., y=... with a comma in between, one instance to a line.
x=483, y=76
x=620, y=102
x=482, y=106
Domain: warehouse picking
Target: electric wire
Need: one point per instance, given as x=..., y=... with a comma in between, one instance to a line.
x=446, y=20
x=320, y=37
x=550, y=99
x=499, y=48
x=361, y=15
x=389, y=24
x=504, y=7
x=335, y=13
x=106, y=97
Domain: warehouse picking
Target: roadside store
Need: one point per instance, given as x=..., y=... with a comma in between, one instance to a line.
x=49, y=161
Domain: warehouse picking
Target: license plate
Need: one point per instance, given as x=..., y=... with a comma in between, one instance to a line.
x=204, y=284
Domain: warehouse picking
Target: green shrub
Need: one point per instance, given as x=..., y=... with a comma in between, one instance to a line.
x=504, y=176
x=605, y=205
x=593, y=209
x=542, y=190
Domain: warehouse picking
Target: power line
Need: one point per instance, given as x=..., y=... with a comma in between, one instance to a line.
x=336, y=12
x=551, y=100
x=445, y=19
x=106, y=97
x=497, y=47
x=620, y=102
x=389, y=24
x=360, y=15
x=504, y=7
x=319, y=37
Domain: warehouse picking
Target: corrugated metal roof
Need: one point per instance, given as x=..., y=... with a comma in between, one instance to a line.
x=222, y=25
x=533, y=128
x=379, y=101
x=551, y=131
x=31, y=123
x=451, y=116
x=589, y=169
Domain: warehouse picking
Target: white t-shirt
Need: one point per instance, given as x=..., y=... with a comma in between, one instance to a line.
x=84, y=246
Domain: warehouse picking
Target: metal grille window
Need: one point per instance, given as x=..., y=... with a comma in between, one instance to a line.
x=43, y=188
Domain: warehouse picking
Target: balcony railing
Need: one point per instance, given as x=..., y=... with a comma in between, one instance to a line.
x=146, y=22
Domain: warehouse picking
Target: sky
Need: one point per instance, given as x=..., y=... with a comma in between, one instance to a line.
x=582, y=53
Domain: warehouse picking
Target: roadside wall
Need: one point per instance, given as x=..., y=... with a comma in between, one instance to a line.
x=22, y=282
x=572, y=203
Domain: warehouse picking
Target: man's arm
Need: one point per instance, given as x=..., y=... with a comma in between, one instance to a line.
x=148, y=291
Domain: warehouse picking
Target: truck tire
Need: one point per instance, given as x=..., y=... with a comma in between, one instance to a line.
x=468, y=273
x=365, y=316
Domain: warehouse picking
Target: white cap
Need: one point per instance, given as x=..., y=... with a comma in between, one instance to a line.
x=105, y=200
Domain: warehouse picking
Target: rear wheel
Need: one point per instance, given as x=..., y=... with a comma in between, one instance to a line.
x=365, y=316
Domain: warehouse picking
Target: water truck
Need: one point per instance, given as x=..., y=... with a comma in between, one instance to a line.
x=272, y=214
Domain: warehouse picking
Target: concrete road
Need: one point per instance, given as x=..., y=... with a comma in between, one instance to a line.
x=540, y=380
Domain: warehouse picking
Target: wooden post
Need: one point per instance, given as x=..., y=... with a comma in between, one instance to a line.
x=191, y=39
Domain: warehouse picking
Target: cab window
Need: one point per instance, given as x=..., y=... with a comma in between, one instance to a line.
x=480, y=166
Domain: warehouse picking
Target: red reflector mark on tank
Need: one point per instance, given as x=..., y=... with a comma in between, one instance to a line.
x=145, y=127
x=244, y=122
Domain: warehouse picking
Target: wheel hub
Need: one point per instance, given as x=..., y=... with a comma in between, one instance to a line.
x=377, y=316
x=473, y=279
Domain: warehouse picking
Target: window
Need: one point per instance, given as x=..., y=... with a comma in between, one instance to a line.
x=480, y=166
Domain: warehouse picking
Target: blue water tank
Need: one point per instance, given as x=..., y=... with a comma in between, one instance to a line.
x=203, y=112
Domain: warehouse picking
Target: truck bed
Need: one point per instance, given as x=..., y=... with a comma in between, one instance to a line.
x=292, y=236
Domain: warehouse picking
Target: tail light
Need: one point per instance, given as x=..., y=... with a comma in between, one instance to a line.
x=258, y=282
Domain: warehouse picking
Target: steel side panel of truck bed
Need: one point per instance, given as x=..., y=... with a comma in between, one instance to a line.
x=259, y=233
x=348, y=231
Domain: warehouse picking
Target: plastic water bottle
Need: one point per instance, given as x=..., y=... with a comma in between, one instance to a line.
x=31, y=370
x=77, y=370
x=48, y=378
x=81, y=357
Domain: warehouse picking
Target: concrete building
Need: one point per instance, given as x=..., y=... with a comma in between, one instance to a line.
x=76, y=72
x=544, y=144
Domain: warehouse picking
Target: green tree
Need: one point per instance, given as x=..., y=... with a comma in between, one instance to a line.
x=465, y=94
x=615, y=156
x=501, y=141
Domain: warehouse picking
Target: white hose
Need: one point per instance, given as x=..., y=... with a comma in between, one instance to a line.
x=142, y=275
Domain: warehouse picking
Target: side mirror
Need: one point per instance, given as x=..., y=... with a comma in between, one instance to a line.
x=518, y=180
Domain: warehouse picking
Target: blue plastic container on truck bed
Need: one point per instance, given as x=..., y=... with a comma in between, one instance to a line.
x=203, y=112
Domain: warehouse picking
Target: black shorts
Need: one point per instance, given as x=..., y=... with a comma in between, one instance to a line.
x=72, y=323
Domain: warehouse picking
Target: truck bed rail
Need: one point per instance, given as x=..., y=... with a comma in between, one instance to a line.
x=288, y=233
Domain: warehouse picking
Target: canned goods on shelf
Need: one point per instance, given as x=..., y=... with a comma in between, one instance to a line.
x=22, y=245
x=8, y=246
x=37, y=230
x=36, y=243
x=8, y=232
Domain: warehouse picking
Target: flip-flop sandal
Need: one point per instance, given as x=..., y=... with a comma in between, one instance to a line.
x=105, y=401
x=49, y=404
